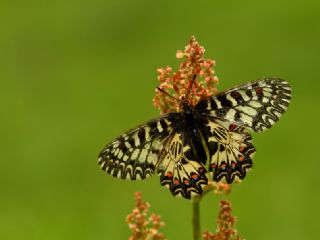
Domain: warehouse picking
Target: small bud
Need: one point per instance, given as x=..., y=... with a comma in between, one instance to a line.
x=179, y=54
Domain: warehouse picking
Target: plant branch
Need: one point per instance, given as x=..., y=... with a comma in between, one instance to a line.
x=218, y=188
x=196, y=218
x=196, y=212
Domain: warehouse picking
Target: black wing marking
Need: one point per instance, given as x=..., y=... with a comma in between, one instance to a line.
x=135, y=154
x=256, y=105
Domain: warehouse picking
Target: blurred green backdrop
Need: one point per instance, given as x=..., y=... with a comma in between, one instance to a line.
x=76, y=74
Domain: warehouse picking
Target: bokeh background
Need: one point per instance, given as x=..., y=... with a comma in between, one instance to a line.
x=76, y=74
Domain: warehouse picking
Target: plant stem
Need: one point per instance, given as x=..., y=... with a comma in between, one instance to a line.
x=196, y=212
x=196, y=218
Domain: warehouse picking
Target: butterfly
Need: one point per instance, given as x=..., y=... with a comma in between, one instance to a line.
x=209, y=140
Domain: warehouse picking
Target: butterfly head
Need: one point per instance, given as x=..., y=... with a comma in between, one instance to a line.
x=185, y=106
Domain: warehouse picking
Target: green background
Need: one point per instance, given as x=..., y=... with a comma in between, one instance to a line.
x=76, y=74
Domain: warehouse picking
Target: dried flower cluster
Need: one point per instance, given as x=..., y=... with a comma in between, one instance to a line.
x=177, y=84
x=143, y=227
x=225, y=225
x=220, y=187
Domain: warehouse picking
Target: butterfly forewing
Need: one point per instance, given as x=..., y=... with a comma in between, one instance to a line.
x=135, y=154
x=256, y=105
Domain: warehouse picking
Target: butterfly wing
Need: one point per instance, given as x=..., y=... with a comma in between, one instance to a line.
x=179, y=169
x=135, y=154
x=229, y=148
x=256, y=105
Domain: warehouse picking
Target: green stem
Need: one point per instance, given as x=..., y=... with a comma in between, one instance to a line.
x=196, y=212
x=196, y=218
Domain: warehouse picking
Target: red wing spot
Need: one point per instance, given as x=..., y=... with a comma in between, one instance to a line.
x=201, y=170
x=195, y=176
x=233, y=164
x=259, y=90
x=232, y=127
x=223, y=166
x=241, y=149
x=169, y=175
x=213, y=165
x=186, y=181
x=176, y=182
x=241, y=158
x=235, y=94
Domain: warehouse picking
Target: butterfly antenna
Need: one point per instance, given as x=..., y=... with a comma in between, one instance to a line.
x=189, y=90
x=161, y=90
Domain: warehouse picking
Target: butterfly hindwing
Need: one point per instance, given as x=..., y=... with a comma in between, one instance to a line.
x=230, y=150
x=256, y=105
x=135, y=154
x=178, y=169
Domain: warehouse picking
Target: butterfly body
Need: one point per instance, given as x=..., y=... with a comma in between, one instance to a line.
x=211, y=137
